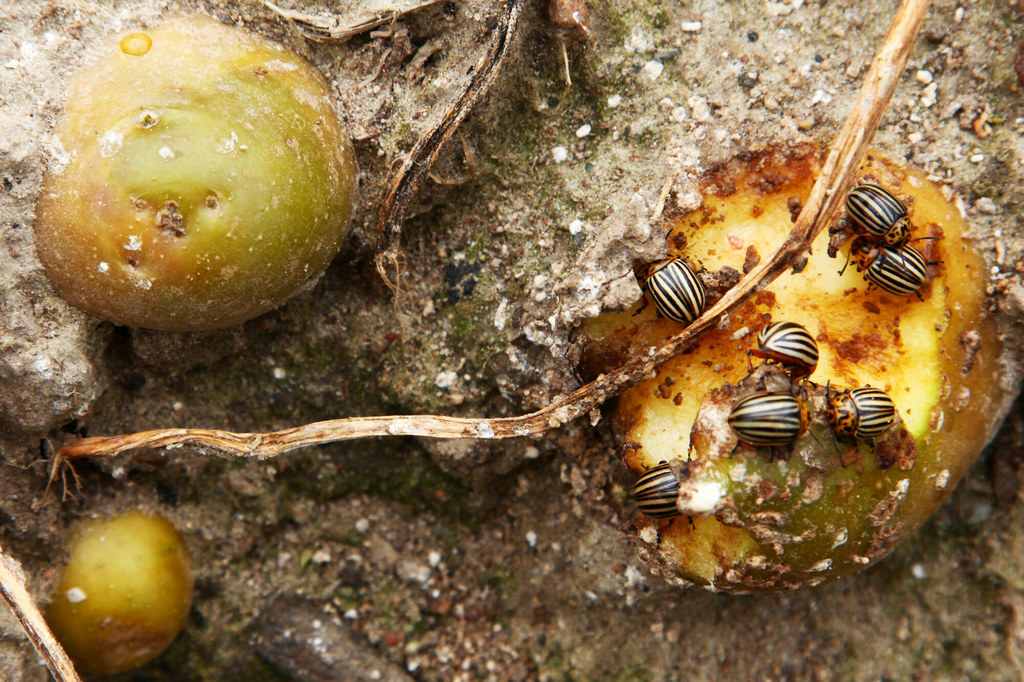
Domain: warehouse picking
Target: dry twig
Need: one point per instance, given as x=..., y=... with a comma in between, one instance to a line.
x=13, y=591
x=845, y=154
x=415, y=168
x=329, y=27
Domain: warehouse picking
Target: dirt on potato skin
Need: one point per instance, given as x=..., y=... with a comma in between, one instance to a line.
x=502, y=561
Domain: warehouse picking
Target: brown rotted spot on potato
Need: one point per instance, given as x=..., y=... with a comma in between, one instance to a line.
x=860, y=347
x=766, y=535
x=665, y=388
x=906, y=455
x=169, y=219
x=766, y=491
x=751, y=259
x=961, y=400
x=898, y=447
x=851, y=456
x=799, y=264
x=718, y=282
x=884, y=510
x=813, y=487
x=795, y=206
x=770, y=518
x=728, y=516
x=844, y=488
x=885, y=539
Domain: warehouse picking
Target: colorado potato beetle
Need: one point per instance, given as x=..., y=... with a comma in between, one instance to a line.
x=876, y=212
x=863, y=413
x=655, y=492
x=768, y=419
x=676, y=291
x=788, y=344
x=901, y=271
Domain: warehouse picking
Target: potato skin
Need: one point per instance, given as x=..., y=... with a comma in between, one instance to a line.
x=832, y=508
x=124, y=593
x=199, y=177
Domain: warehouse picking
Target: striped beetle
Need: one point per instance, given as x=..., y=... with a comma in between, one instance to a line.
x=900, y=271
x=864, y=413
x=788, y=344
x=655, y=492
x=677, y=293
x=876, y=212
x=768, y=419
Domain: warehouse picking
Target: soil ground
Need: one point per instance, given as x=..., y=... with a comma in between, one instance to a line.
x=464, y=561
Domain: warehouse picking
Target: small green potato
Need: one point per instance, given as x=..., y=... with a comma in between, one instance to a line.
x=199, y=178
x=124, y=593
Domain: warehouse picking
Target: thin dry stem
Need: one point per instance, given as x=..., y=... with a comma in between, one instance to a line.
x=14, y=592
x=844, y=156
x=414, y=170
x=323, y=27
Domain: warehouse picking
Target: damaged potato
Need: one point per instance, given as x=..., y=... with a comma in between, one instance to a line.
x=199, y=177
x=762, y=519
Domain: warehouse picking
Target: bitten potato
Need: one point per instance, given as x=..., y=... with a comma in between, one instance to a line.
x=762, y=519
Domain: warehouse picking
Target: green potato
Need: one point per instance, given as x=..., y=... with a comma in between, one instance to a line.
x=124, y=593
x=200, y=178
x=824, y=507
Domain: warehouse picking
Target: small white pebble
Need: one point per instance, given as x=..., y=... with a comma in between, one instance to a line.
x=915, y=138
x=917, y=570
x=531, y=538
x=280, y=373
x=701, y=108
x=821, y=97
x=75, y=595
x=177, y=406
x=614, y=101
x=976, y=158
x=691, y=26
x=362, y=525
x=924, y=76
x=575, y=227
x=321, y=556
x=929, y=95
x=986, y=206
x=434, y=558
x=531, y=452
x=583, y=130
x=958, y=15
x=679, y=114
x=445, y=380
x=653, y=69
x=559, y=154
